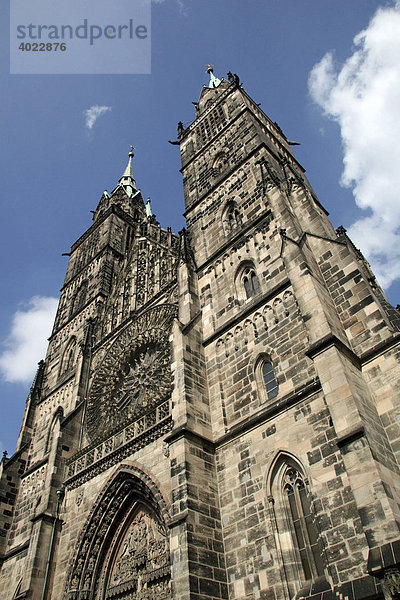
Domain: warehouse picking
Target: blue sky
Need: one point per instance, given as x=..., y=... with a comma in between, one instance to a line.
x=332, y=89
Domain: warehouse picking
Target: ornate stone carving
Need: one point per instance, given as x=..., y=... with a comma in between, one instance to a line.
x=139, y=380
x=391, y=584
x=134, y=376
x=142, y=562
x=124, y=551
x=136, y=435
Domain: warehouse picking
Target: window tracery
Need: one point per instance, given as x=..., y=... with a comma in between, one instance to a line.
x=250, y=282
x=293, y=516
x=304, y=531
x=79, y=299
x=246, y=282
x=221, y=163
x=68, y=358
x=231, y=218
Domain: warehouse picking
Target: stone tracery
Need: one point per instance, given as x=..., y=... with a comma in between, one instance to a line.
x=124, y=549
x=135, y=375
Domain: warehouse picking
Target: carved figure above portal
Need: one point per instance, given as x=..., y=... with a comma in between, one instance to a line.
x=141, y=568
x=123, y=552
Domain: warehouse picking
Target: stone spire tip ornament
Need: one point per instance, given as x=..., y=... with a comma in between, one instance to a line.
x=214, y=81
x=127, y=179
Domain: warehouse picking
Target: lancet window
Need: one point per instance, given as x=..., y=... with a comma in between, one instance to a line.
x=250, y=282
x=296, y=531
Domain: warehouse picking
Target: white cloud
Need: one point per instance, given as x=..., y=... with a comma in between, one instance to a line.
x=363, y=97
x=93, y=113
x=181, y=5
x=27, y=341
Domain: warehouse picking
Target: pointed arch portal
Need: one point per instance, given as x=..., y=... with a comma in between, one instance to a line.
x=123, y=551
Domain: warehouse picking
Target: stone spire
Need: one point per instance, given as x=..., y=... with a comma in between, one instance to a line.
x=214, y=81
x=127, y=179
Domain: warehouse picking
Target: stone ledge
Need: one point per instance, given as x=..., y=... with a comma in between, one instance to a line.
x=14, y=551
x=117, y=454
x=362, y=588
x=35, y=466
x=184, y=431
x=43, y=517
x=178, y=519
x=300, y=393
x=242, y=314
x=329, y=341
x=379, y=349
x=350, y=436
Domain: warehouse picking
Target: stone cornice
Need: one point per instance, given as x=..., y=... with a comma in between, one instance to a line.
x=14, y=551
x=35, y=466
x=267, y=216
x=379, y=349
x=267, y=412
x=251, y=307
x=328, y=341
x=84, y=465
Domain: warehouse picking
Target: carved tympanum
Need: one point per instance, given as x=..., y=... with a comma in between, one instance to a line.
x=141, y=566
x=123, y=549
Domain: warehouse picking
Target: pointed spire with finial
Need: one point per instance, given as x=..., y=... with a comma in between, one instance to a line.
x=127, y=179
x=214, y=81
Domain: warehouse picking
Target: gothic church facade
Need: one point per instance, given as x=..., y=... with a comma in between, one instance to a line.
x=218, y=415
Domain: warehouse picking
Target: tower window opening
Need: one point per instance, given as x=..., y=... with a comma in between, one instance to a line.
x=231, y=219
x=269, y=381
x=80, y=297
x=68, y=358
x=304, y=532
x=222, y=164
x=250, y=282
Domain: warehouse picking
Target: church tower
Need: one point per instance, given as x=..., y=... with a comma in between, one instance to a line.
x=218, y=413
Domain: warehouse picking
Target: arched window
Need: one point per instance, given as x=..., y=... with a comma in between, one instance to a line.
x=231, y=218
x=269, y=381
x=250, y=282
x=265, y=377
x=246, y=281
x=68, y=358
x=221, y=163
x=294, y=523
x=304, y=533
x=80, y=298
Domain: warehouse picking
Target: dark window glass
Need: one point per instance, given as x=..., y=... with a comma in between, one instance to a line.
x=254, y=282
x=250, y=282
x=269, y=380
x=304, y=532
x=247, y=287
